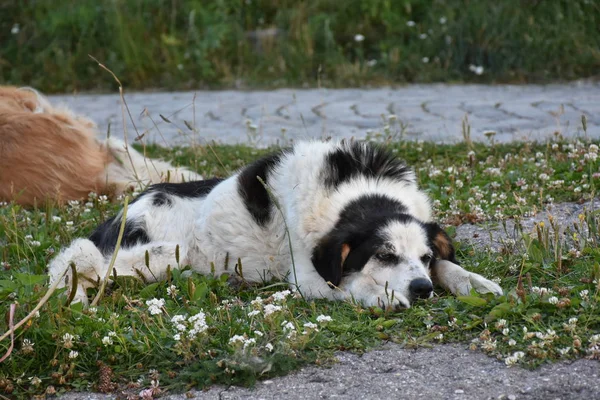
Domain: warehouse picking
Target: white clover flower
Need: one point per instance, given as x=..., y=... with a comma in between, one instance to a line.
x=199, y=324
x=359, y=38
x=512, y=342
x=73, y=354
x=505, y=331
x=107, y=341
x=564, y=351
x=281, y=296
x=249, y=342
x=573, y=321
x=324, y=318
x=68, y=340
x=35, y=381
x=172, y=291
x=259, y=333
x=155, y=306
x=237, y=339
x=584, y=294
x=553, y=300
x=501, y=323
x=258, y=301
x=310, y=325
x=269, y=347
x=439, y=337
x=288, y=326
x=253, y=313
x=56, y=219
x=476, y=69
x=270, y=309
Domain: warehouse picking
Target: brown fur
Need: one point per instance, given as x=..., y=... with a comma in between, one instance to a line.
x=51, y=153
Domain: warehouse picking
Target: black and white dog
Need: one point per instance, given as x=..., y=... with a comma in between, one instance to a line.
x=358, y=225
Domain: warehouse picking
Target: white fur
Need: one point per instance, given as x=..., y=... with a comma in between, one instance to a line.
x=218, y=226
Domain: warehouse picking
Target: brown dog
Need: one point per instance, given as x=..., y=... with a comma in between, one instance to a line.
x=49, y=152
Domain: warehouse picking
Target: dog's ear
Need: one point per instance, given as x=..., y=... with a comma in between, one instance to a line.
x=440, y=242
x=328, y=259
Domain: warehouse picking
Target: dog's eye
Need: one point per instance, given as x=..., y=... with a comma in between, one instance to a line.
x=426, y=259
x=386, y=257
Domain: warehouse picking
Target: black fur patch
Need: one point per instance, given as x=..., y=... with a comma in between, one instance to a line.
x=193, y=189
x=363, y=159
x=105, y=236
x=357, y=227
x=255, y=196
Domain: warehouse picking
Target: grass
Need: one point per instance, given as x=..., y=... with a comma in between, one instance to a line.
x=226, y=43
x=194, y=331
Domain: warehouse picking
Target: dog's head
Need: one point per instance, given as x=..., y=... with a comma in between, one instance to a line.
x=390, y=248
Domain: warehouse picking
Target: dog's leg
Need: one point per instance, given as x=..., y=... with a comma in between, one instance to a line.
x=88, y=261
x=91, y=265
x=459, y=281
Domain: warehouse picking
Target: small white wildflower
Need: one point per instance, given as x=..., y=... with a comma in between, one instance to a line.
x=359, y=38
x=564, y=351
x=15, y=29
x=411, y=23
x=584, y=294
x=476, y=69
x=177, y=337
x=501, y=323
x=257, y=302
x=269, y=347
x=270, y=309
x=425, y=60
x=155, y=306
x=512, y=342
x=443, y=20
x=371, y=63
x=288, y=326
x=280, y=296
x=107, y=341
x=73, y=354
x=324, y=318
x=310, y=325
x=237, y=339
x=249, y=342
x=573, y=321
x=505, y=331
x=56, y=219
x=68, y=340
x=35, y=381
x=423, y=36
x=199, y=324
x=439, y=337
x=253, y=313
x=172, y=291
x=553, y=300
x=259, y=333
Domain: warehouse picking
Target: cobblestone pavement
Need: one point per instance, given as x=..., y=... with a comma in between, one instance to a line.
x=426, y=112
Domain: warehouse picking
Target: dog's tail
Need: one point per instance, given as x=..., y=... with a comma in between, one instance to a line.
x=130, y=169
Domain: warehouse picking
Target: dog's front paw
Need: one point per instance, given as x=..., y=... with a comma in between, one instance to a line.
x=471, y=280
x=483, y=285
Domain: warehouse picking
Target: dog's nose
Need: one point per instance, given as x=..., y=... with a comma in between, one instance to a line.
x=420, y=288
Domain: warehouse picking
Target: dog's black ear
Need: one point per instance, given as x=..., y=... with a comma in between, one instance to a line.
x=440, y=242
x=328, y=259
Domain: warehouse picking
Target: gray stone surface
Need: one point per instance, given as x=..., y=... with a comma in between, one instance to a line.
x=441, y=372
x=428, y=112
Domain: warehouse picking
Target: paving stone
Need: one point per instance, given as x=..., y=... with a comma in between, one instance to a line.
x=429, y=112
